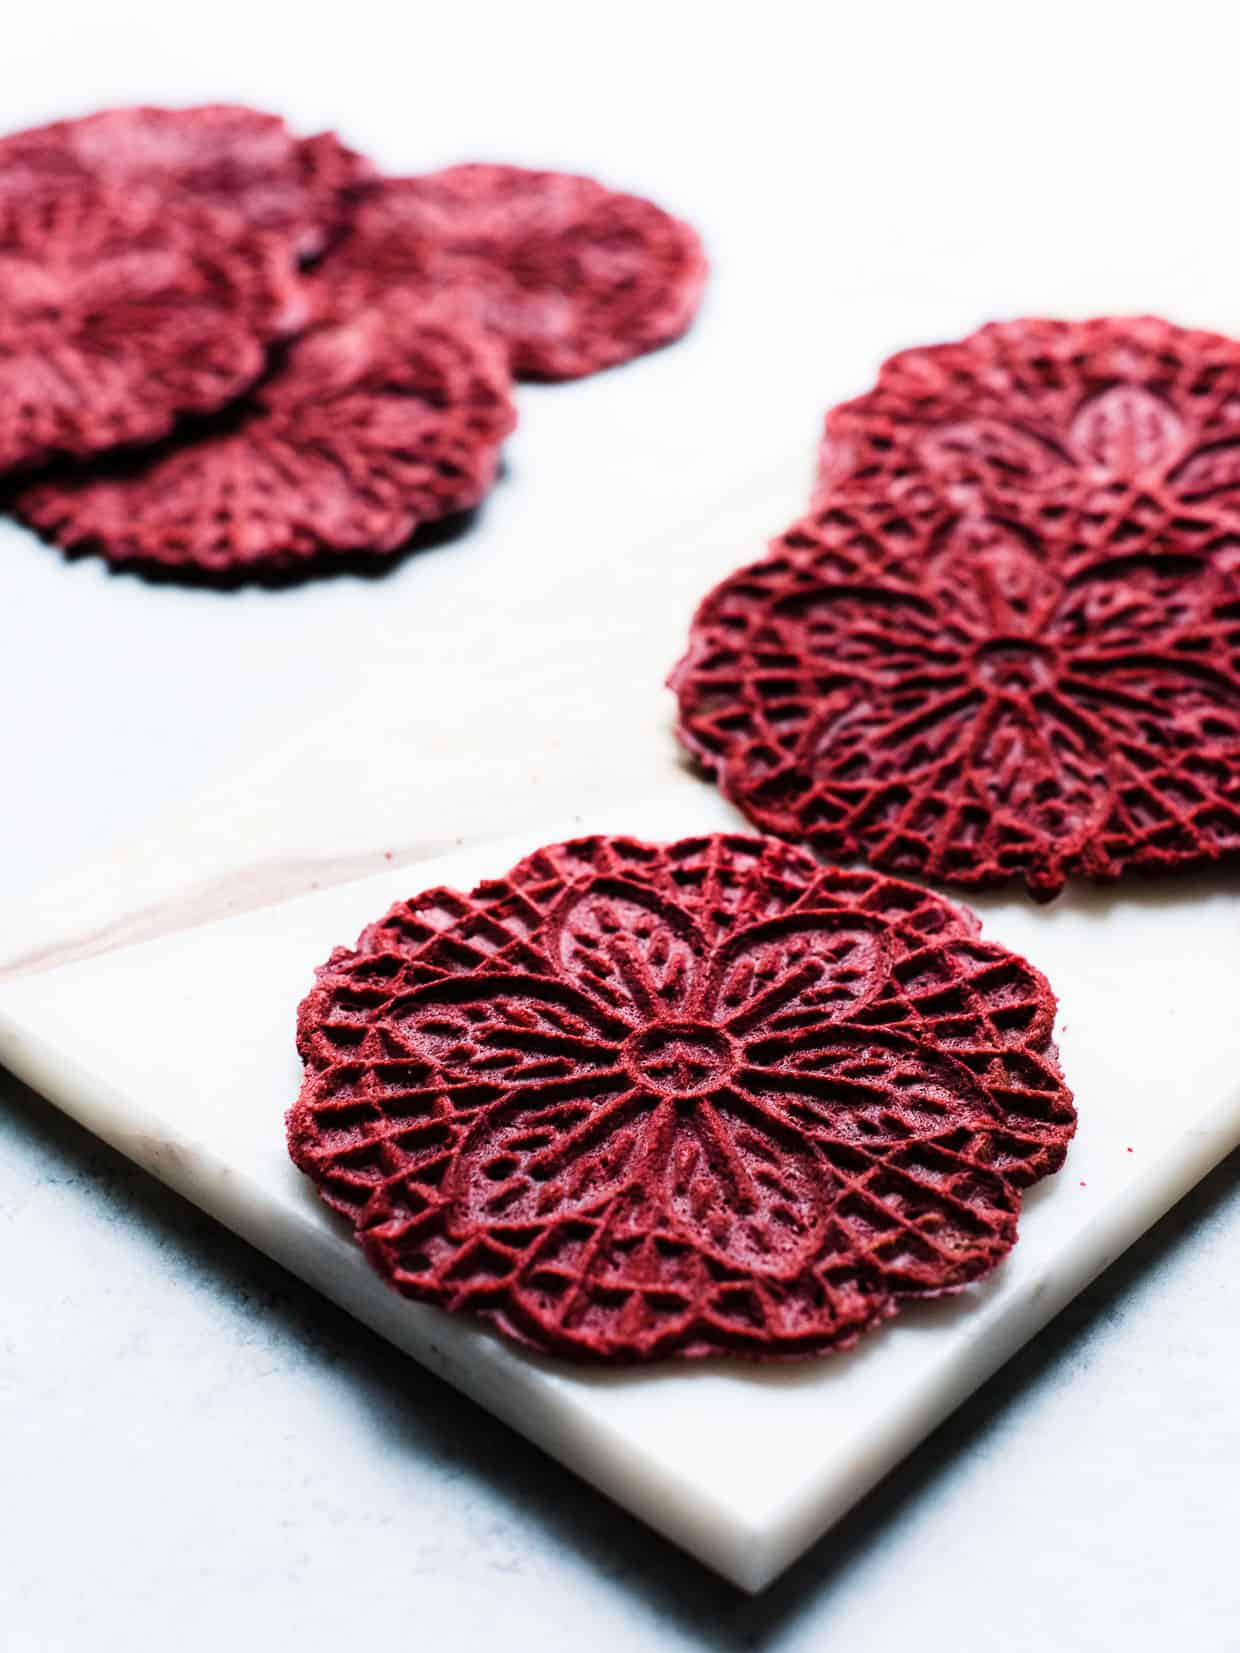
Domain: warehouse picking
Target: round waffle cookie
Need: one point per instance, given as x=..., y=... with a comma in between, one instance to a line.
x=1130, y=422
x=222, y=157
x=116, y=318
x=572, y=276
x=973, y=699
x=365, y=429
x=633, y=1101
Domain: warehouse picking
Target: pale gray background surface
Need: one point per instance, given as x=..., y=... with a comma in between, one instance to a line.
x=193, y=1448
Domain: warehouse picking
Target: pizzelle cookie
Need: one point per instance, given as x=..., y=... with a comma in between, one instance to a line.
x=366, y=429
x=116, y=319
x=219, y=157
x=981, y=709
x=572, y=276
x=635, y=1101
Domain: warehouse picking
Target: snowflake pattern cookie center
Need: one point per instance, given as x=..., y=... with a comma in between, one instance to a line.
x=680, y=1059
x=1014, y=665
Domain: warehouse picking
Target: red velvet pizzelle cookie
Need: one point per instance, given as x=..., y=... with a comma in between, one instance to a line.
x=116, y=318
x=995, y=699
x=633, y=1101
x=574, y=277
x=1130, y=422
x=366, y=429
x=221, y=157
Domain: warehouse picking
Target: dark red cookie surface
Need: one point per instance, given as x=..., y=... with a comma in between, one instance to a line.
x=116, y=318
x=1130, y=421
x=364, y=430
x=633, y=1101
x=573, y=276
x=222, y=157
x=974, y=698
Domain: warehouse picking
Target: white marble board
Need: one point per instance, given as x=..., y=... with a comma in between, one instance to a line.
x=179, y=1052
